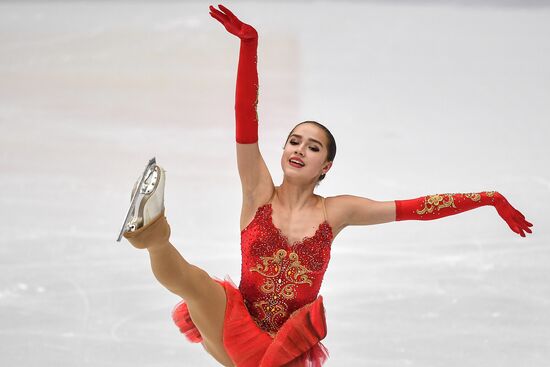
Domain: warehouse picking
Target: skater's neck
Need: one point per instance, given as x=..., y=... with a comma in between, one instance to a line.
x=294, y=196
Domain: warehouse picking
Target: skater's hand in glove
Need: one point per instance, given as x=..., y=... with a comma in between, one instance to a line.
x=516, y=221
x=233, y=24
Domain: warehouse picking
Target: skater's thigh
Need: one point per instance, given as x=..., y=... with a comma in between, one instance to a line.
x=207, y=310
x=207, y=307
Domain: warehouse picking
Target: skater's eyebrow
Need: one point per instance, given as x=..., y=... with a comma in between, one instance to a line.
x=300, y=136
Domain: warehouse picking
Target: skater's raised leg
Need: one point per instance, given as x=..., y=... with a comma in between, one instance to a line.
x=205, y=297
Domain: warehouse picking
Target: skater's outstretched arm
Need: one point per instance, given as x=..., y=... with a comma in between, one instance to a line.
x=363, y=211
x=256, y=180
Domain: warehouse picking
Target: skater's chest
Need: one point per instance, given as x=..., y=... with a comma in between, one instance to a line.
x=263, y=242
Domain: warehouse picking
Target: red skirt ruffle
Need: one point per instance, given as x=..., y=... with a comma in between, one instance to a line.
x=297, y=343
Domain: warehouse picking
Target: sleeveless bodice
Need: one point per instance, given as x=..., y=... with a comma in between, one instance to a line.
x=277, y=278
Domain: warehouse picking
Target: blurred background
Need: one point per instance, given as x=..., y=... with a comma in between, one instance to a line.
x=423, y=97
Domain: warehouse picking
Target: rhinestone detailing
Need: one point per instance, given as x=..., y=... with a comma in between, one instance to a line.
x=278, y=278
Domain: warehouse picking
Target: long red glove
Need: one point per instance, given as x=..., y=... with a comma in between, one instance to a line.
x=246, y=96
x=442, y=205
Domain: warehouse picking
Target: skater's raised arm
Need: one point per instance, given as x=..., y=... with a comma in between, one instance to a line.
x=255, y=177
x=363, y=211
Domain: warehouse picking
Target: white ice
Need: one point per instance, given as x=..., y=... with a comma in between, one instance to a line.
x=422, y=97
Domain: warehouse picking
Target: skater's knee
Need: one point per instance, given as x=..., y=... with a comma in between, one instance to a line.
x=199, y=279
x=199, y=284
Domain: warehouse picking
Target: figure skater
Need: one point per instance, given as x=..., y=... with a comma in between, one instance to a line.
x=276, y=315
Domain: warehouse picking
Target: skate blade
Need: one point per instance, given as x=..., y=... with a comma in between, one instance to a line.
x=149, y=167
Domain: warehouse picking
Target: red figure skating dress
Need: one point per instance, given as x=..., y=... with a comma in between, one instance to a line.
x=275, y=317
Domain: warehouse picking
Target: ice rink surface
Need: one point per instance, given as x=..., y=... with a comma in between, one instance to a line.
x=422, y=97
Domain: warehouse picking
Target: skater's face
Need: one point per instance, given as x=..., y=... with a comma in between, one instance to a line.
x=309, y=143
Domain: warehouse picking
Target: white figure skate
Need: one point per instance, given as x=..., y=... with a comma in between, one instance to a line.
x=147, y=201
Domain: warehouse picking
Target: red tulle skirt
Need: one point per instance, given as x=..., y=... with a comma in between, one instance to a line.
x=297, y=343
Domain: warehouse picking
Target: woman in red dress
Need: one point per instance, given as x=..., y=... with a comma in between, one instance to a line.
x=275, y=317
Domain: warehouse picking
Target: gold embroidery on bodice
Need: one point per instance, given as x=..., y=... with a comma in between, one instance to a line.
x=282, y=275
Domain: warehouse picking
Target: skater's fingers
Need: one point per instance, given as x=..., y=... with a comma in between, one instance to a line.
x=518, y=231
x=219, y=14
x=516, y=228
x=217, y=11
x=512, y=226
x=227, y=11
x=523, y=224
x=218, y=18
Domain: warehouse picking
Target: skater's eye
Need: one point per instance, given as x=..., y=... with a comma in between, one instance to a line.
x=313, y=147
